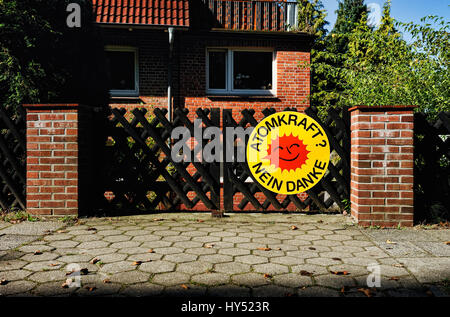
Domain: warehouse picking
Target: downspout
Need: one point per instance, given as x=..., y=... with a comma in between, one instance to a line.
x=169, y=76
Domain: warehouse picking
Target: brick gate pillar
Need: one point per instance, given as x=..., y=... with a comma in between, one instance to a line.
x=382, y=162
x=52, y=159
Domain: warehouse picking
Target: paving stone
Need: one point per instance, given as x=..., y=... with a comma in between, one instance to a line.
x=58, y=237
x=334, y=281
x=206, y=239
x=271, y=268
x=426, y=270
x=131, y=277
x=44, y=266
x=111, y=258
x=385, y=283
x=215, y=258
x=293, y=280
x=29, y=228
x=402, y=248
x=157, y=266
x=236, y=239
x=251, y=235
x=100, y=251
x=270, y=254
x=322, y=261
x=100, y=289
x=32, y=248
x=229, y=291
x=14, y=275
x=79, y=258
x=434, y=248
x=232, y=268
x=176, y=238
x=169, y=279
x=200, y=251
x=48, y=276
x=45, y=256
x=63, y=244
x=117, y=238
x=251, y=259
x=113, y=232
x=12, y=265
x=146, y=238
x=223, y=234
x=87, y=238
x=156, y=244
x=117, y=267
x=16, y=287
x=180, y=257
x=212, y=278
x=363, y=262
x=234, y=251
x=193, y=233
x=125, y=244
x=356, y=243
x=189, y=290
x=302, y=254
x=250, y=279
x=310, y=268
x=317, y=291
x=272, y=291
x=12, y=241
x=53, y=289
x=196, y=267
x=327, y=243
x=165, y=233
x=188, y=244
x=287, y=260
x=93, y=245
x=142, y=289
x=298, y=242
x=139, y=232
x=144, y=257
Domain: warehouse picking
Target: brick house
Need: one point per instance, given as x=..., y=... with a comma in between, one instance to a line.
x=204, y=53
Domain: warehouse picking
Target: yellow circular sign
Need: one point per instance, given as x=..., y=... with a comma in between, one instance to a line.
x=288, y=152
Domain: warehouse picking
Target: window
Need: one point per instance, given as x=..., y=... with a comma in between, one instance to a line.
x=123, y=74
x=240, y=72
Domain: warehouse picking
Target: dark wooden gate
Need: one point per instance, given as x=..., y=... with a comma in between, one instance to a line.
x=332, y=189
x=139, y=172
x=432, y=167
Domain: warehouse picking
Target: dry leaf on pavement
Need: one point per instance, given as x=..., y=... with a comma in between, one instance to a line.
x=305, y=273
x=184, y=286
x=390, y=242
x=294, y=227
x=150, y=251
x=339, y=272
x=264, y=249
x=37, y=252
x=366, y=291
x=267, y=275
x=4, y=282
x=94, y=260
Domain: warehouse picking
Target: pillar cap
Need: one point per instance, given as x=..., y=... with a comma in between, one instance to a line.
x=52, y=106
x=383, y=108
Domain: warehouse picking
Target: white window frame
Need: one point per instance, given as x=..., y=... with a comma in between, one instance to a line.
x=124, y=92
x=229, y=73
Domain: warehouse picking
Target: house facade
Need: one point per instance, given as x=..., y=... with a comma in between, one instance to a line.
x=230, y=54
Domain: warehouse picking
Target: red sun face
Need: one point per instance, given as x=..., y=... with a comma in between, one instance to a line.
x=287, y=152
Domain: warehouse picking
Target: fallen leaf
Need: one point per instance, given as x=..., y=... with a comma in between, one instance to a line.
x=312, y=248
x=54, y=264
x=337, y=259
x=344, y=289
x=264, y=249
x=84, y=271
x=200, y=220
x=150, y=251
x=390, y=242
x=398, y=265
x=447, y=242
x=67, y=283
x=158, y=219
x=4, y=281
x=366, y=291
x=106, y=281
x=294, y=227
x=394, y=278
x=339, y=272
x=267, y=275
x=305, y=273
x=278, y=249
x=61, y=231
x=209, y=246
x=288, y=294
x=429, y=293
x=91, y=229
x=94, y=260
x=91, y=288
x=137, y=263
x=184, y=286
x=319, y=221
x=37, y=252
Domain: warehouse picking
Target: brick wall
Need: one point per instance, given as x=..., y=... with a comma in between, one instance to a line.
x=52, y=159
x=382, y=165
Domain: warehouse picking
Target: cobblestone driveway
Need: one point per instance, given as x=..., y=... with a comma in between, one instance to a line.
x=240, y=255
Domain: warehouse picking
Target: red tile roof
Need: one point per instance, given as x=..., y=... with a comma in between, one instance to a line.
x=142, y=12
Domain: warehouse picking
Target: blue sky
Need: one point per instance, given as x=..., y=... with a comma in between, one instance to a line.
x=402, y=10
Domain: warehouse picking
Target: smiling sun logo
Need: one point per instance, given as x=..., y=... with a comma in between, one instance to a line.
x=288, y=152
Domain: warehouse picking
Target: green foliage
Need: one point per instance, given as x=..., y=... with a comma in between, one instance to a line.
x=382, y=69
x=42, y=60
x=17, y=216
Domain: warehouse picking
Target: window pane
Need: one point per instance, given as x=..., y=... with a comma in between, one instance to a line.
x=121, y=69
x=217, y=70
x=252, y=70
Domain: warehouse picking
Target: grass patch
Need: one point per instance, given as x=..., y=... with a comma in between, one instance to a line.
x=17, y=216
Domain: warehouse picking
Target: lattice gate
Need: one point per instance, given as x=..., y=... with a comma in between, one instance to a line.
x=139, y=173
